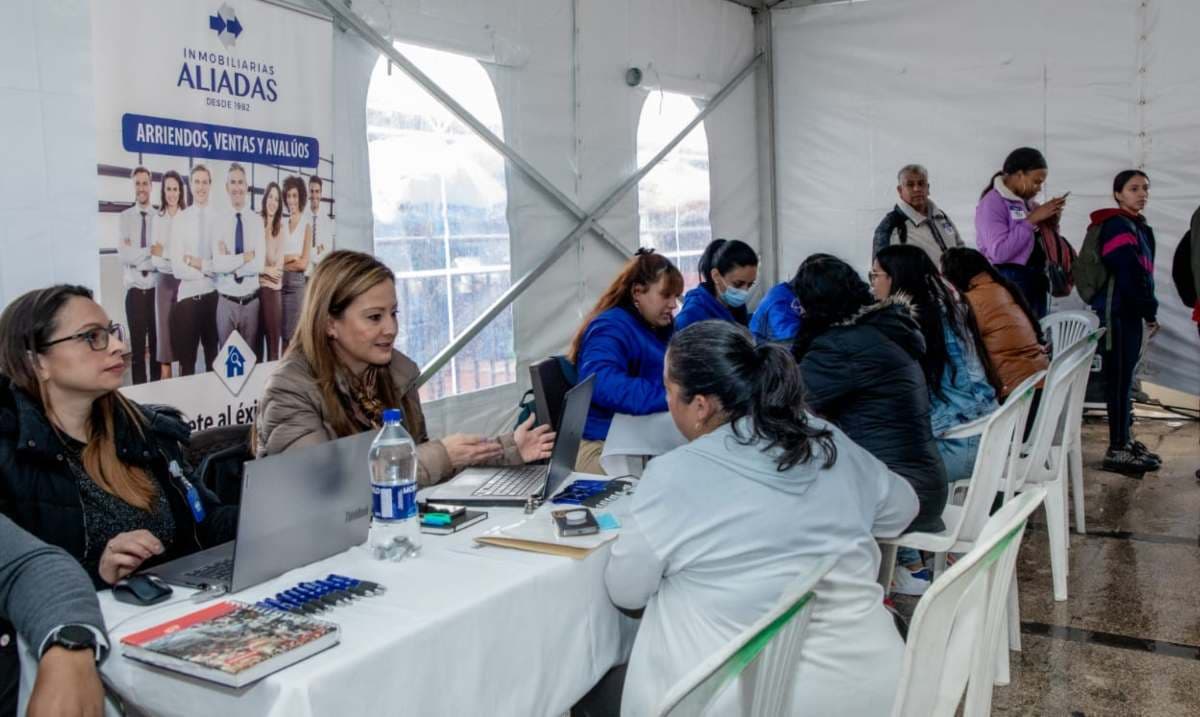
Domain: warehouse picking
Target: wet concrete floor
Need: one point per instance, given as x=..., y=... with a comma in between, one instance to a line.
x=1127, y=641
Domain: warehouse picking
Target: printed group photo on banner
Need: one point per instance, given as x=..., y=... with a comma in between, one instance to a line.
x=216, y=190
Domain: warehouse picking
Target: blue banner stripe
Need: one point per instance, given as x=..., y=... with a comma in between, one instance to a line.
x=177, y=138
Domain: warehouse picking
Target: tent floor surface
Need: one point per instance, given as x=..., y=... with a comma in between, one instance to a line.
x=1127, y=641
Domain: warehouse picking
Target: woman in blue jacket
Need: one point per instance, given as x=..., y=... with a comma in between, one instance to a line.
x=728, y=270
x=779, y=315
x=622, y=342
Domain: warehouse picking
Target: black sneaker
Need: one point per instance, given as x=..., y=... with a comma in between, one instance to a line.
x=1125, y=461
x=1140, y=449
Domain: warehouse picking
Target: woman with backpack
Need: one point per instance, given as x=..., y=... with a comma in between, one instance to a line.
x=1125, y=301
x=1010, y=227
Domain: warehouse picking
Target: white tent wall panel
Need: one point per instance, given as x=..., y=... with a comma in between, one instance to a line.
x=558, y=70
x=866, y=87
x=47, y=141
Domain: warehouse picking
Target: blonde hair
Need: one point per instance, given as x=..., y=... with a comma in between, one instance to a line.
x=338, y=280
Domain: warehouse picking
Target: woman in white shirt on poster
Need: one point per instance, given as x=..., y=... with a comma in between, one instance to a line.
x=172, y=202
x=721, y=526
x=297, y=243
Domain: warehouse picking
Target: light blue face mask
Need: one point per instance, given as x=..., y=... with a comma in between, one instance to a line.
x=735, y=297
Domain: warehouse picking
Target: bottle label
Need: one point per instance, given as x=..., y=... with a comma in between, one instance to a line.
x=394, y=501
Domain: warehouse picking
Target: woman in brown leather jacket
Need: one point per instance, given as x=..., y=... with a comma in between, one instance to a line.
x=1012, y=336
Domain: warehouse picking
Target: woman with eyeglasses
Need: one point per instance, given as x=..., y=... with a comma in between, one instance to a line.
x=728, y=271
x=81, y=466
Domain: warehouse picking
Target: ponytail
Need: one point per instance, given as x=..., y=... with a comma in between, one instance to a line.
x=719, y=359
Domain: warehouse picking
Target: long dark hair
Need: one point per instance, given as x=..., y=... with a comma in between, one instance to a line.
x=273, y=223
x=717, y=358
x=1021, y=159
x=725, y=255
x=914, y=275
x=961, y=264
x=645, y=268
x=830, y=291
x=26, y=326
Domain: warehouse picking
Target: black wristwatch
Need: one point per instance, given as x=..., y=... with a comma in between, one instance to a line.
x=75, y=637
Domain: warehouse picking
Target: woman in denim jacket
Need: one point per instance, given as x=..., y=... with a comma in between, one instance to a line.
x=955, y=359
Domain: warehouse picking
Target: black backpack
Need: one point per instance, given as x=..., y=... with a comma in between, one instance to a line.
x=1181, y=270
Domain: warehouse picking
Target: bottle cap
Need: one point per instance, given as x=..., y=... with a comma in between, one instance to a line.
x=392, y=415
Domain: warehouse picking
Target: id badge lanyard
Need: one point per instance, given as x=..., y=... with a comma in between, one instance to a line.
x=191, y=494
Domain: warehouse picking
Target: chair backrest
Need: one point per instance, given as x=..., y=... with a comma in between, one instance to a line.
x=949, y=633
x=992, y=459
x=764, y=656
x=1074, y=418
x=1051, y=413
x=219, y=455
x=550, y=386
x=1064, y=328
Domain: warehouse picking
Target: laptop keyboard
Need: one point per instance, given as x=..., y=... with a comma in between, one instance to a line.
x=520, y=481
x=221, y=570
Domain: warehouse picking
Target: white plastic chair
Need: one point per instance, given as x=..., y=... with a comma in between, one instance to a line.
x=1072, y=430
x=954, y=636
x=1043, y=462
x=964, y=522
x=764, y=656
x=1064, y=328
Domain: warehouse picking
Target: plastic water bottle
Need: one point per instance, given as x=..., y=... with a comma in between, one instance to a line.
x=395, y=527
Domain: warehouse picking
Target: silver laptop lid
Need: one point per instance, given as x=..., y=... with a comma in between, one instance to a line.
x=570, y=431
x=302, y=506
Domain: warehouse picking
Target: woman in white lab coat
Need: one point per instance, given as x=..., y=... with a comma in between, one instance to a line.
x=761, y=494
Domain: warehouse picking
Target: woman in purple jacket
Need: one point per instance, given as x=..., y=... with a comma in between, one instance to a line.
x=1007, y=224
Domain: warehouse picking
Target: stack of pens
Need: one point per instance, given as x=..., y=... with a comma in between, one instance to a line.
x=318, y=596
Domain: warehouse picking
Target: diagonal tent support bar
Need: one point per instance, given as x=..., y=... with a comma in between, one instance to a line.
x=351, y=19
x=587, y=221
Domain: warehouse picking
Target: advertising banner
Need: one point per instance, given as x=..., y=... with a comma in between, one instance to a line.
x=216, y=190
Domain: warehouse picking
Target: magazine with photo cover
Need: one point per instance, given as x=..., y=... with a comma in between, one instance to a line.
x=231, y=643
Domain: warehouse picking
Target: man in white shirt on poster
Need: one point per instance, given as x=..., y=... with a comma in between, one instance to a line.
x=322, y=225
x=194, y=320
x=138, y=275
x=239, y=254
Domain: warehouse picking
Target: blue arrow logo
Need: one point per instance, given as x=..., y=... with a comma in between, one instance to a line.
x=226, y=24
x=234, y=27
x=216, y=23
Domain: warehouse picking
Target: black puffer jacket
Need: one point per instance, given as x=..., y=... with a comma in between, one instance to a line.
x=40, y=493
x=864, y=376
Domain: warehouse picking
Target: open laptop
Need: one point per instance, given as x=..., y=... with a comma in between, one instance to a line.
x=512, y=485
x=297, y=508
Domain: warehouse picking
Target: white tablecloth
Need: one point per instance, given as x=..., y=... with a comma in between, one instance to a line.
x=632, y=440
x=460, y=631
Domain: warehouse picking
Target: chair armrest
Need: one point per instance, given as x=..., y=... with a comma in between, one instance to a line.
x=965, y=430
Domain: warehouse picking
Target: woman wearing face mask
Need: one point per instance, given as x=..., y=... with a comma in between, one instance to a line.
x=728, y=270
x=341, y=372
x=81, y=466
x=758, y=497
x=622, y=342
x=1126, y=303
x=1008, y=223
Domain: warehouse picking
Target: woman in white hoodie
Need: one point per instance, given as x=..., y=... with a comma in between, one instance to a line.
x=761, y=494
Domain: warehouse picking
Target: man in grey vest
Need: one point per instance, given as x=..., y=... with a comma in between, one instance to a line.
x=237, y=258
x=916, y=219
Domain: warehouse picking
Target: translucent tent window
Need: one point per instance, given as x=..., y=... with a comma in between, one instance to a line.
x=439, y=197
x=673, y=199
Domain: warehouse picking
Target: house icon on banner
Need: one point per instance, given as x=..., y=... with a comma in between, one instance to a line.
x=234, y=363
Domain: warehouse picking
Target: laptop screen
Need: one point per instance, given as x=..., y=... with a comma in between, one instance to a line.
x=566, y=445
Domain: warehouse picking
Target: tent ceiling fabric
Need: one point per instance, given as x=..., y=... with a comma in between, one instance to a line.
x=1100, y=86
